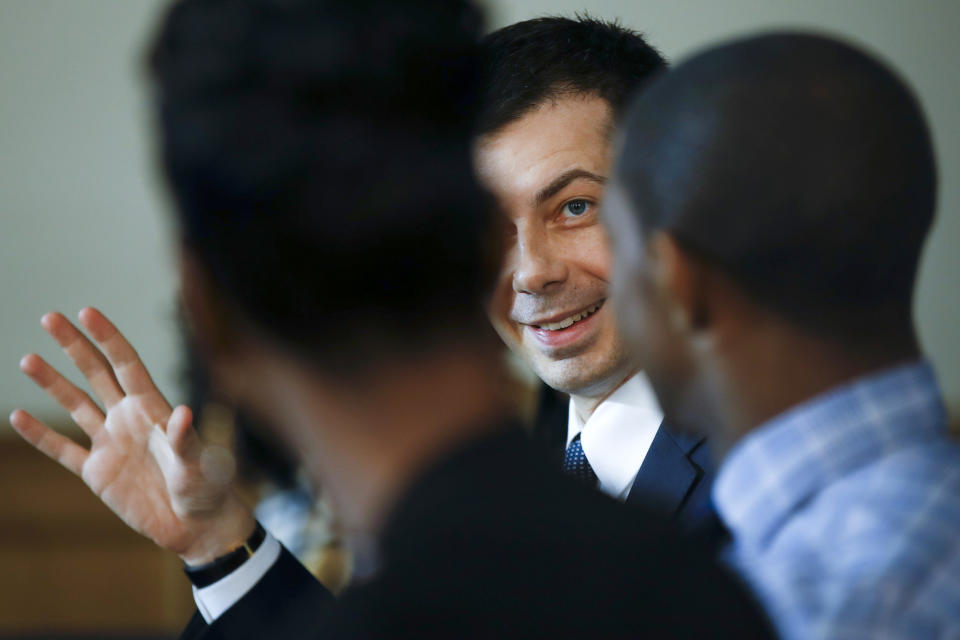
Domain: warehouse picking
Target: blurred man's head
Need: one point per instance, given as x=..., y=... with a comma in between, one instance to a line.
x=319, y=155
x=553, y=88
x=775, y=191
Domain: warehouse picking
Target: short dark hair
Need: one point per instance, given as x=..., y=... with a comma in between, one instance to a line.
x=801, y=166
x=319, y=157
x=531, y=62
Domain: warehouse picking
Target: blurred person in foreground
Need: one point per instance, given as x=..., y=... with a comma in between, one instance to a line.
x=553, y=91
x=768, y=210
x=333, y=268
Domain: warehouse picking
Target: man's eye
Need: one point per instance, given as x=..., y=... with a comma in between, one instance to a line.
x=576, y=208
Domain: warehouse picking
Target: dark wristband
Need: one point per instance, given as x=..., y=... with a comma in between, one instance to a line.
x=206, y=574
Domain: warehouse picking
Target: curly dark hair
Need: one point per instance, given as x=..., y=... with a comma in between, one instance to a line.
x=318, y=153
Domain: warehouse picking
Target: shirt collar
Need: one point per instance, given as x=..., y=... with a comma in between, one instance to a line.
x=618, y=434
x=784, y=462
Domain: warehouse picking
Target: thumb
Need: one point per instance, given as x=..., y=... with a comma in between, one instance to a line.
x=181, y=435
x=217, y=464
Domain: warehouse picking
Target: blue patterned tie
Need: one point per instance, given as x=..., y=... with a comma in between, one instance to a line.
x=575, y=463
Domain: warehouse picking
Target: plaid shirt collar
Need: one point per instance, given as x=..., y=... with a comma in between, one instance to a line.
x=777, y=467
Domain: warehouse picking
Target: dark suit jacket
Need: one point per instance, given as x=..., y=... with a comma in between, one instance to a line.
x=494, y=543
x=675, y=477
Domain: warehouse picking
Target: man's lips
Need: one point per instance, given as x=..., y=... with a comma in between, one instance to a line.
x=569, y=330
x=564, y=320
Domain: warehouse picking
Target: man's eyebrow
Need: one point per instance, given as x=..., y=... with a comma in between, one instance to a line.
x=563, y=180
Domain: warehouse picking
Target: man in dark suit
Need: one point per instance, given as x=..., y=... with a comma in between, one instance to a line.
x=332, y=266
x=553, y=89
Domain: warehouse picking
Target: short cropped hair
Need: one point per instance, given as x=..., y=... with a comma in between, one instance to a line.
x=531, y=62
x=318, y=152
x=801, y=166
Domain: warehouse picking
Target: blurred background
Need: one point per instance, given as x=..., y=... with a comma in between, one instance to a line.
x=83, y=223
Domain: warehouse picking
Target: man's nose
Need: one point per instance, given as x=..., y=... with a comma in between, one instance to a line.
x=538, y=266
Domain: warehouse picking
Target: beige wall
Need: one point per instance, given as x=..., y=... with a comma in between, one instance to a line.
x=82, y=214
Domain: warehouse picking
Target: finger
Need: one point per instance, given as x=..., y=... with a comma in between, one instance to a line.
x=182, y=436
x=132, y=375
x=217, y=463
x=92, y=364
x=78, y=404
x=49, y=442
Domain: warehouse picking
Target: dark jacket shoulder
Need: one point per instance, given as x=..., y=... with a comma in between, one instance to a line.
x=676, y=476
x=494, y=543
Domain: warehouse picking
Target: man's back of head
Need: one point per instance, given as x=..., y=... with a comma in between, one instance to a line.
x=799, y=165
x=318, y=153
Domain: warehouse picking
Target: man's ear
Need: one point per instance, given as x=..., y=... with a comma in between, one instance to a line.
x=681, y=281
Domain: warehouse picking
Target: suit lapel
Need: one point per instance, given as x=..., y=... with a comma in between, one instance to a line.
x=667, y=476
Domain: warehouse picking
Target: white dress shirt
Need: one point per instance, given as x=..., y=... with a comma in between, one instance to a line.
x=213, y=600
x=618, y=434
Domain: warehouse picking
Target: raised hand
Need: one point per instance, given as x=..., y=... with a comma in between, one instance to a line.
x=145, y=461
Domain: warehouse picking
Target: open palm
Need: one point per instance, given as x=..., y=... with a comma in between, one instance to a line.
x=145, y=460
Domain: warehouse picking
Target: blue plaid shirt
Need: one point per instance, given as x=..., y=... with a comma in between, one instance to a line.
x=845, y=512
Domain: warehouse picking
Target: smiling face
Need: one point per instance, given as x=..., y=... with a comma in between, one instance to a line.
x=547, y=171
